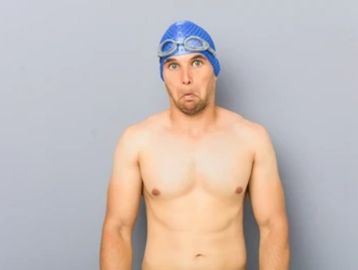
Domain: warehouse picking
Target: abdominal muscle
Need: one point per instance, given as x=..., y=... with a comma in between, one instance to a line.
x=195, y=232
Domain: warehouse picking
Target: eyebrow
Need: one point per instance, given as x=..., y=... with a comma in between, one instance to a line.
x=197, y=56
x=169, y=60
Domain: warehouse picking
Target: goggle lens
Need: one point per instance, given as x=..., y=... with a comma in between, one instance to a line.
x=195, y=44
x=167, y=47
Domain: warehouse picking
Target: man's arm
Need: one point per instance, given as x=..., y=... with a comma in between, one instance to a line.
x=123, y=198
x=268, y=204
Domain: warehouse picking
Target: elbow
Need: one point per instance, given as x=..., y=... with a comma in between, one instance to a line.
x=277, y=226
x=116, y=227
x=276, y=233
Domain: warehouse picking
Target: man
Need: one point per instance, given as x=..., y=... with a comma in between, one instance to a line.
x=194, y=163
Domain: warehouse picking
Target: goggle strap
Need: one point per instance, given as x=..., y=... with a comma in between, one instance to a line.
x=205, y=46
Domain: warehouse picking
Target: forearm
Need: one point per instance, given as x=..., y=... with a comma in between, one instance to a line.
x=116, y=249
x=274, y=253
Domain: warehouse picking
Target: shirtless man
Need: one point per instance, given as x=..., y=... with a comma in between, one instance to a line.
x=194, y=163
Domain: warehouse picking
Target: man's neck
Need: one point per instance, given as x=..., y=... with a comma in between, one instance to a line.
x=196, y=124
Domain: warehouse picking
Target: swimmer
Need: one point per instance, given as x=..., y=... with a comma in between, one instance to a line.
x=194, y=163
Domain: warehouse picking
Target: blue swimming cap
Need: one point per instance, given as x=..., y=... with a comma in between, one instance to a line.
x=179, y=31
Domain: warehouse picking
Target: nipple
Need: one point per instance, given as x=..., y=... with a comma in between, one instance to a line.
x=155, y=192
x=238, y=190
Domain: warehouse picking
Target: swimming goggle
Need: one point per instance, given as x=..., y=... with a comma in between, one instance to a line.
x=191, y=43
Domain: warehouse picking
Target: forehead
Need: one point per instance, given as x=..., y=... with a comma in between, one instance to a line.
x=185, y=57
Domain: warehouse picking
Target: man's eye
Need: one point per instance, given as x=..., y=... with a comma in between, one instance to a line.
x=172, y=66
x=197, y=63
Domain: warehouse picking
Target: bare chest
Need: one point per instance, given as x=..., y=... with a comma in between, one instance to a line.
x=217, y=165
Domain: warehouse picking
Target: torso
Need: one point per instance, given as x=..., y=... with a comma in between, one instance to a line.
x=194, y=191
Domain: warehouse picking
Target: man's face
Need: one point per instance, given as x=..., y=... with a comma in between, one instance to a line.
x=190, y=82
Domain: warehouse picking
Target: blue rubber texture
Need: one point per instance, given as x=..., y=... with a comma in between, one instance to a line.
x=181, y=30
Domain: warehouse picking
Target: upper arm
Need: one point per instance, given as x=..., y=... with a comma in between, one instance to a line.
x=125, y=184
x=265, y=188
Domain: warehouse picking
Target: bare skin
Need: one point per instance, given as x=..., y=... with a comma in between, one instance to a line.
x=194, y=163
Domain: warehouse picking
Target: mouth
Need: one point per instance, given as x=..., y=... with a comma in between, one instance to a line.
x=189, y=97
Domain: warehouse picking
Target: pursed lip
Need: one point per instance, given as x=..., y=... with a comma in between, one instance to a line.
x=189, y=97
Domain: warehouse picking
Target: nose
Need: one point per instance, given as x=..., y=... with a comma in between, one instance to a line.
x=186, y=76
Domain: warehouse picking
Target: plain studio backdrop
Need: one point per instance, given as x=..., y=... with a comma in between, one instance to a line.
x=75, y=73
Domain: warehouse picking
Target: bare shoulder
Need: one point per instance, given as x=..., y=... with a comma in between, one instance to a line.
x=252, y=134
x=137, y=133
x=255, y=136
x=248, y=129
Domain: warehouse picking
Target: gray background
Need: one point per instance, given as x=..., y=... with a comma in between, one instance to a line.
x=74, y=74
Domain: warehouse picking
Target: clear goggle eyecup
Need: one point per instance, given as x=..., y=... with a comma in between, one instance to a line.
x=191, y=43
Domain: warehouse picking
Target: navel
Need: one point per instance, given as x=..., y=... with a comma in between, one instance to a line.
x=198, y=255
x=238, y=190
x=155, y=192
